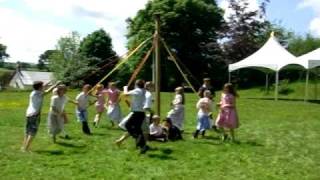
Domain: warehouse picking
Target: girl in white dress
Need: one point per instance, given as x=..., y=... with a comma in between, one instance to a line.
x=176, y=114
x=56, y=115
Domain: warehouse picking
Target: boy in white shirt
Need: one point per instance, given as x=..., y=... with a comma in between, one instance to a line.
x=33, y=112
x=82, y=101
x=134, y=123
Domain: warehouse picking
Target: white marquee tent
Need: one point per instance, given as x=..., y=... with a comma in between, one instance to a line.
x=270, y=56
x=309, y=61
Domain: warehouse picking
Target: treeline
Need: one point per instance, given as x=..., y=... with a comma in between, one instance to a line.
x=197, y=33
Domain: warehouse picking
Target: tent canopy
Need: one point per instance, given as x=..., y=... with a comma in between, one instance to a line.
x=310, y=60
x=271, y=56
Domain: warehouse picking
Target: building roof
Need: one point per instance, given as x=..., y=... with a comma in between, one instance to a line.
x=28, y=77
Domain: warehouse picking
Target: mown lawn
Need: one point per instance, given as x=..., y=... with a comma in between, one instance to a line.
x=278, y=140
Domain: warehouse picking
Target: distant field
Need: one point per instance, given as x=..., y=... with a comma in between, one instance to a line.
x=278, y=140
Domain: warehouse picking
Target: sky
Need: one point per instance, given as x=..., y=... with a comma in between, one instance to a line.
x=29, y=27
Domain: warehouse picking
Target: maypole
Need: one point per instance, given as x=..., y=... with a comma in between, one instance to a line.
x=157, y=62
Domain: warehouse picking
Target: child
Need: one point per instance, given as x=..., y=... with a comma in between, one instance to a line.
x=82, y=102
x=227, y=119
x=204, y=105
x=64, y=116
x=135, y=121
x=206, y=86
x=33, y=112
x=176, y=114
x=56, y=113
x=148, y=108
x=172, y=131
x=156, y=131
x=114, y=110
x=99, y=104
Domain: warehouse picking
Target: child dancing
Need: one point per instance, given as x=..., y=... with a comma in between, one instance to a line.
x=176, y=114
x=227, y=119
x=204, y=106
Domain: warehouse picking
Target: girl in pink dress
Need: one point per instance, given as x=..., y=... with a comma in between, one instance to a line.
x=114, y=110
x=227, y=119
x=99, y=104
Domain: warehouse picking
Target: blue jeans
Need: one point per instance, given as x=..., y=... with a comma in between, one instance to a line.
x=82, y=115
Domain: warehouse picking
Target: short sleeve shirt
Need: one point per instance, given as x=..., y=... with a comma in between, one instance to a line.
x=138, y=99
x=35, y=103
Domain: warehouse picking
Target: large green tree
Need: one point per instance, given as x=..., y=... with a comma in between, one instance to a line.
x=187, y=26
x=66, y=62
x=97, y=49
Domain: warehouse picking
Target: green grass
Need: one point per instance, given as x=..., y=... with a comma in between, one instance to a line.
x=278, y=140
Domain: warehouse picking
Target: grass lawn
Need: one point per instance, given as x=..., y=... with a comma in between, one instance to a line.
x=278, y=140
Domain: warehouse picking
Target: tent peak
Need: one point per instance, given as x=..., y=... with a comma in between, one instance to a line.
x=272, y=34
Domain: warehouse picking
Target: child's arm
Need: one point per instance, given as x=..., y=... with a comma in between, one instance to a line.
x=51, y=88
x=228, y=105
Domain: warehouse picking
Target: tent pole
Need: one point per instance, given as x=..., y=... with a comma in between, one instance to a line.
x=267, y=82
x=276, y=86
x=307, y=84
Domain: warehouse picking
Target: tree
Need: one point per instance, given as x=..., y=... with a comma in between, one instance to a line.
x=3, y=54
x=66, y=62
x=300, y=45
x=97, y=46
x=187, y=26
x=97, y=49
x=44, y=59
x=245, y=32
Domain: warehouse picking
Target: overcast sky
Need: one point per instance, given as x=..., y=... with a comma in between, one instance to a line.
x=29, y=27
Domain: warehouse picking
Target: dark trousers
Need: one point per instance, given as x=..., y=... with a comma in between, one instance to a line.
x=196, y=133
x=133, y=126
x=85, y=127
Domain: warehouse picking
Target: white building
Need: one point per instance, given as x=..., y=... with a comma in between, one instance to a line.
x=25, y=79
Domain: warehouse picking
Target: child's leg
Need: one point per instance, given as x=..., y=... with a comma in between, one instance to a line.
x=85, y=128
x=224, y=134
x=122, y=138
x=232, y=134
x=28, y=141
x=97, y=118
x=196, y=133
x=203, y=133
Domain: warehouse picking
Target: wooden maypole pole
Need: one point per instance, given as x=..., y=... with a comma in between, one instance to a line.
x=157, y=62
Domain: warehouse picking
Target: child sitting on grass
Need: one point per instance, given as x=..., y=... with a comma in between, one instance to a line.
x=173, y=133
x=156, y=130
x=33, y=112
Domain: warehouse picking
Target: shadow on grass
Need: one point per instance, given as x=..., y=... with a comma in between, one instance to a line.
x=99, y=134
x=251, y=143
x=71, y=145
x=50, y=152
x=287, y=99
x=164, y=154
